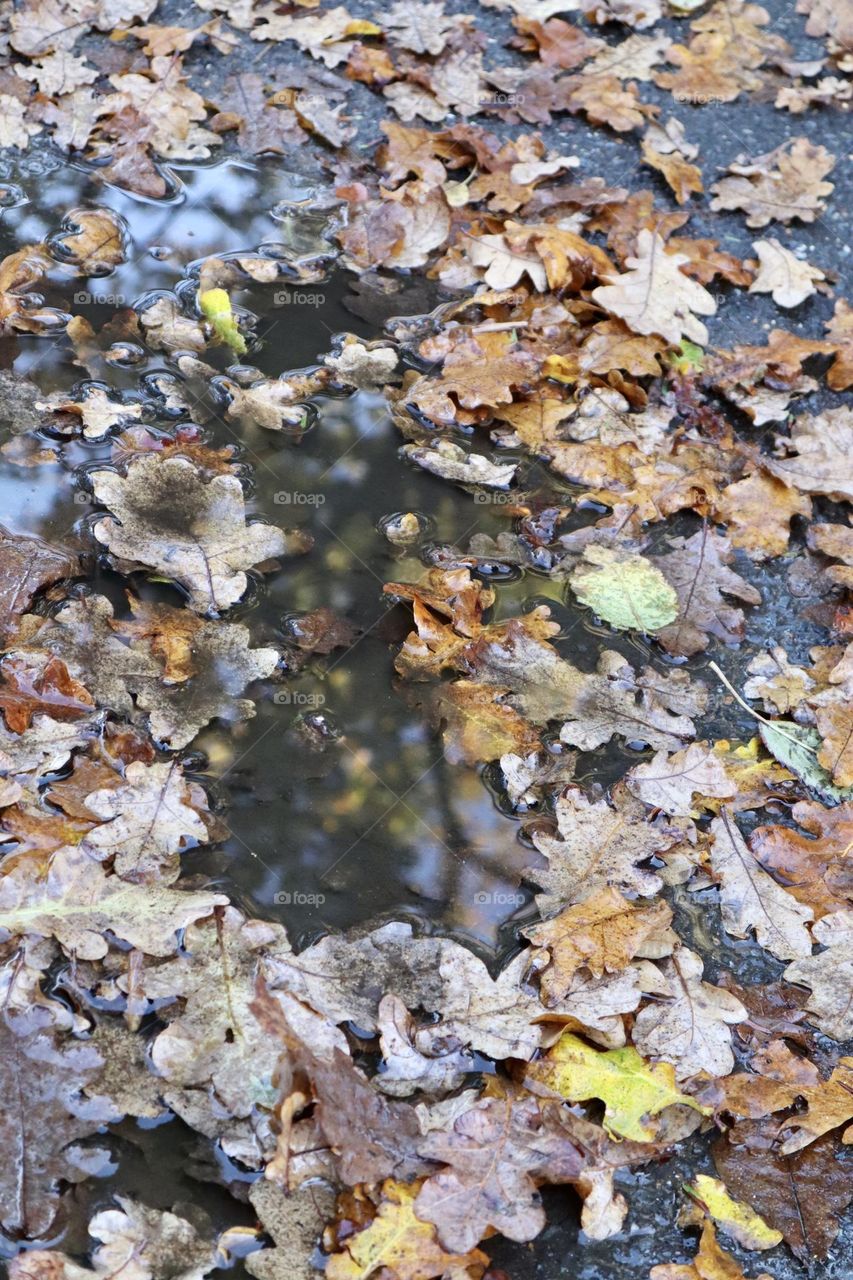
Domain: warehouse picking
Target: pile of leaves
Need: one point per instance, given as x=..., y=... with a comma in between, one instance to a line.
x=393, y=1101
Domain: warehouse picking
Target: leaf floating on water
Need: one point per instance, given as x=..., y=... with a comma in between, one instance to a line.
x=216, y=307
x=625, y=590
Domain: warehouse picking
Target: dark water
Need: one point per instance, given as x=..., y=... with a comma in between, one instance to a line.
x=341, y=805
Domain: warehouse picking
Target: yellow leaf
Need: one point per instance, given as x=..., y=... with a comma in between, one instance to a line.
x=754, y=777
x=630, y=1088
x=361, y=27
x=734, y=1217
x=216, y=307
x=398, y=1240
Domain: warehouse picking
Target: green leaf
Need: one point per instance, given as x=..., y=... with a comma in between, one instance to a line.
x=687, y=357
x=625, y=590
x=796, y=746
x=216, y=307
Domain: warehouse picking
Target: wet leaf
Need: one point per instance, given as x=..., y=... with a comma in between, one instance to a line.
x=751, y=900
x=801, y=1195
x=215, y=305
x=691, y=1028
x=633, y=1091
x=207, y=545
x=734, y=1217
x=625, y=590
x=44, y=1120
x=654, y=296
x=141, y=1243
x=597, y=845
x=782, y=185
x=76, y=902
x=26, y=567
x=399, y=1241
x=601, y=934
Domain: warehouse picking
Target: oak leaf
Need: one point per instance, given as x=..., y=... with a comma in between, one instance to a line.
x=602, y=934
x=398, y=1240
x=26, y=566
x=597, y=845
x=624, y=589
x=698, y=569
x=751, y=900
x=829, y=975
x=782, y=185
x=633, y=1091
x=493, y=1151
x=691, y=1028
x=788, y=279
x=736, y=1218
x=43, y=1122
x=76, y=902
x=801, y=1195
x=816, y=868
x=814, y=459
x=654, y=296
x=206, y=544
x=671, y=782
x=141, y=1243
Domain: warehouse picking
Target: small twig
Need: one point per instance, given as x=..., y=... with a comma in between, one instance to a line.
x=771, y=724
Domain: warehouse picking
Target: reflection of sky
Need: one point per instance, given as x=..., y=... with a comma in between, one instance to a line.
x=378, y=822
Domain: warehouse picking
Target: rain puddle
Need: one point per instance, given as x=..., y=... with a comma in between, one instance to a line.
x=341, y=806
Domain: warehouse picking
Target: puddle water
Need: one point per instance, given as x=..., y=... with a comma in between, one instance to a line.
x=341, y=805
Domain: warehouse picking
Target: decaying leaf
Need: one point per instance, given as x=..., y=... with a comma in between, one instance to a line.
x=751, y=900
x=207, y=544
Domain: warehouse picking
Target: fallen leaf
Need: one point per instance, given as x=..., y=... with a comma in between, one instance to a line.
x=398, y=1240
x=698, y=569
x=785, y=277
x=828, y=975
x=624, y=589
x=633, y=1091
x=597, y=845
x=691, y=1028
x=782, y=185
x=654, y=296
x=750, y=900
x=670, y=783
x=602, y=934
x=207, y=544
x=734, y=1217
x=801, y=1195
